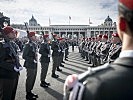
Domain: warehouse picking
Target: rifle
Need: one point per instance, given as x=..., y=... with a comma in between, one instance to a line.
x=12, y=52
x=27, y=31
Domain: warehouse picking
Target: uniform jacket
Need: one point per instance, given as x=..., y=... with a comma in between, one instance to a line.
x=113, y=83
x=30, y=55
x=45, y=52
x=55, y=47
x=7, y=60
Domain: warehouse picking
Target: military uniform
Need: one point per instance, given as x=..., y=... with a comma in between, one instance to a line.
x=30, y=57
x=45, y=59
x=9, y=67
x=109, y=81
x=66, y=49
x=55, y=56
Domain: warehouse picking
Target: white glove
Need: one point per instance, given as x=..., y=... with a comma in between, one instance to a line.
x=18, y=69
x=35, y=61
x=63, y=51
x=59, y=50
x=49, y=55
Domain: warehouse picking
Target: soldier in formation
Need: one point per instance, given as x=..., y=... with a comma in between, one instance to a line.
x=9, y=65
x=45, y=59
x=111, y=81
x=30, y=57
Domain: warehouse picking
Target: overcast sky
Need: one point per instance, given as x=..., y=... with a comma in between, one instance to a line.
x=58, y=11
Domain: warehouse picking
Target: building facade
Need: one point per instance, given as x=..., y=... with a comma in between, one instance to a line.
x=72, y=31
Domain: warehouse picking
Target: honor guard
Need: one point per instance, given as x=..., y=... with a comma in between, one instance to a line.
x=55, y=55
x=110, y=81
x=45, y=59
x=66, y=49
x=9, y=65
x=116, y=48
x=30, y=57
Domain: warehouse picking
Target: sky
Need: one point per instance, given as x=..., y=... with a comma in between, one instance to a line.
x=58, y=11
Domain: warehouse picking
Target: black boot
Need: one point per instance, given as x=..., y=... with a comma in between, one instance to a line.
x=54, y=76
x=58, y=69
x=42, y=84
x=31, y=96
x=61, y=65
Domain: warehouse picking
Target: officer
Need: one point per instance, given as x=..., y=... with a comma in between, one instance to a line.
x=112, y=81
x=9, y=65
x=30, y=57
x=45, y=59
x=55, y=55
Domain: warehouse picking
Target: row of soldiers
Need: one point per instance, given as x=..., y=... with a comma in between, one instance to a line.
x=10, y=66
x=99, y=50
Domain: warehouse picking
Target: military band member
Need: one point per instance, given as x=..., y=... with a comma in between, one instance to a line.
x=110, y=81
x=9, y=65
x=45, y=59
x=30, y=57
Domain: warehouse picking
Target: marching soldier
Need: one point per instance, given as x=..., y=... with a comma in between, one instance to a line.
x=9, y=65
x=30, y=57
x=45, y=59
x=55, y=55
x=110, y=81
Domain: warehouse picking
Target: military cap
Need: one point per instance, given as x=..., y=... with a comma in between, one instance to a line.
x=60, y=38
x=115, y=35
x=127, y=3
x=8, y=29
x=45, y=36
x=54, y=35
x=100, y=35
x=32, y=34
x=105, y=36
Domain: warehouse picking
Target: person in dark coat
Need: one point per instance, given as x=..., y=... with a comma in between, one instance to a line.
x=110, y=81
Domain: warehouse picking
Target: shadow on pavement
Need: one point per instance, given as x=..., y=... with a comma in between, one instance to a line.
x=77, y=71
x=54, y=93
x=73, y=65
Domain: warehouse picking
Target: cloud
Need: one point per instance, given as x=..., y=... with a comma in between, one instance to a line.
x=59, y=10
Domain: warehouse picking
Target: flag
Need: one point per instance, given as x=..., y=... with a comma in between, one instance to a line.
x=69, y=17
x=49, y=22
x=90, y=21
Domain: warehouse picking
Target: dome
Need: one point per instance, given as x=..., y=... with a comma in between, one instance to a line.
x=32, y=19
x=108, y=19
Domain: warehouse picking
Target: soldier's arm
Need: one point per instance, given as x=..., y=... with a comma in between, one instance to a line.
x=54, y=47
x=26, y=53
x=43, y=50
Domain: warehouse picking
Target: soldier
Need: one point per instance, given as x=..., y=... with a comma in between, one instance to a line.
x=61, y=53
x=30, y=57
x=45, y=59
x=55, y=55
x=9, y=65
x=111, y=81
x=116, y=48
x=66, y=49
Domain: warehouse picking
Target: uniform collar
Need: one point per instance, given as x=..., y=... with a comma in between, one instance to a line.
x=126, y=53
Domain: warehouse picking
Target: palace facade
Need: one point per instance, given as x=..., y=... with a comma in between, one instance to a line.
x=71, y=31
